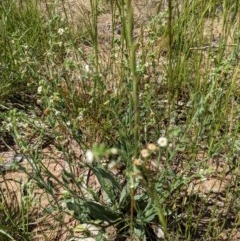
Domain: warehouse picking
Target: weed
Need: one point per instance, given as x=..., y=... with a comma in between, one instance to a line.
x=135, y=104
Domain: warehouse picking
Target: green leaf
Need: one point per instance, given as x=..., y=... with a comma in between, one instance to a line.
x=88, y=210
x=6, y=234
x=67, y=176
x=99, y=150
x=140, y=233
x=108, y=182
x=97, y=211
x=150, y=214
x=124, y=196
x=174, y=132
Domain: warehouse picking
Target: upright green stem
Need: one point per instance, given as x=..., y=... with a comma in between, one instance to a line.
x=94, y=7
x=170, y=69
x=135, y=95
x=125, y=8
x=170, y=33
x=132, y=47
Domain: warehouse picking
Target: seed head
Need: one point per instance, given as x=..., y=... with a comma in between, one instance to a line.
x=145, y=153
x=152, y=147
x=137, y=162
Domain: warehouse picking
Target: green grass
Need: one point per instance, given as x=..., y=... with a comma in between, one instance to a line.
x=172, y=72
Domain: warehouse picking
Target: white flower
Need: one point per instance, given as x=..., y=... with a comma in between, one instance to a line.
x=114, y=151
x=112, y=165
x=162, y=141
x=57, y=112
x=9, y=126
x=89, y=156
x=39, y=90
x=64, y=205
x=39, y=102
x=60, y=31
x=87, y=68
x=25, y=46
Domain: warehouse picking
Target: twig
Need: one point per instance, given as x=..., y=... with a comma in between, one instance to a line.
x=211, y=47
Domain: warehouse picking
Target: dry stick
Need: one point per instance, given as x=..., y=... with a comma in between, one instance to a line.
x=211, y=47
